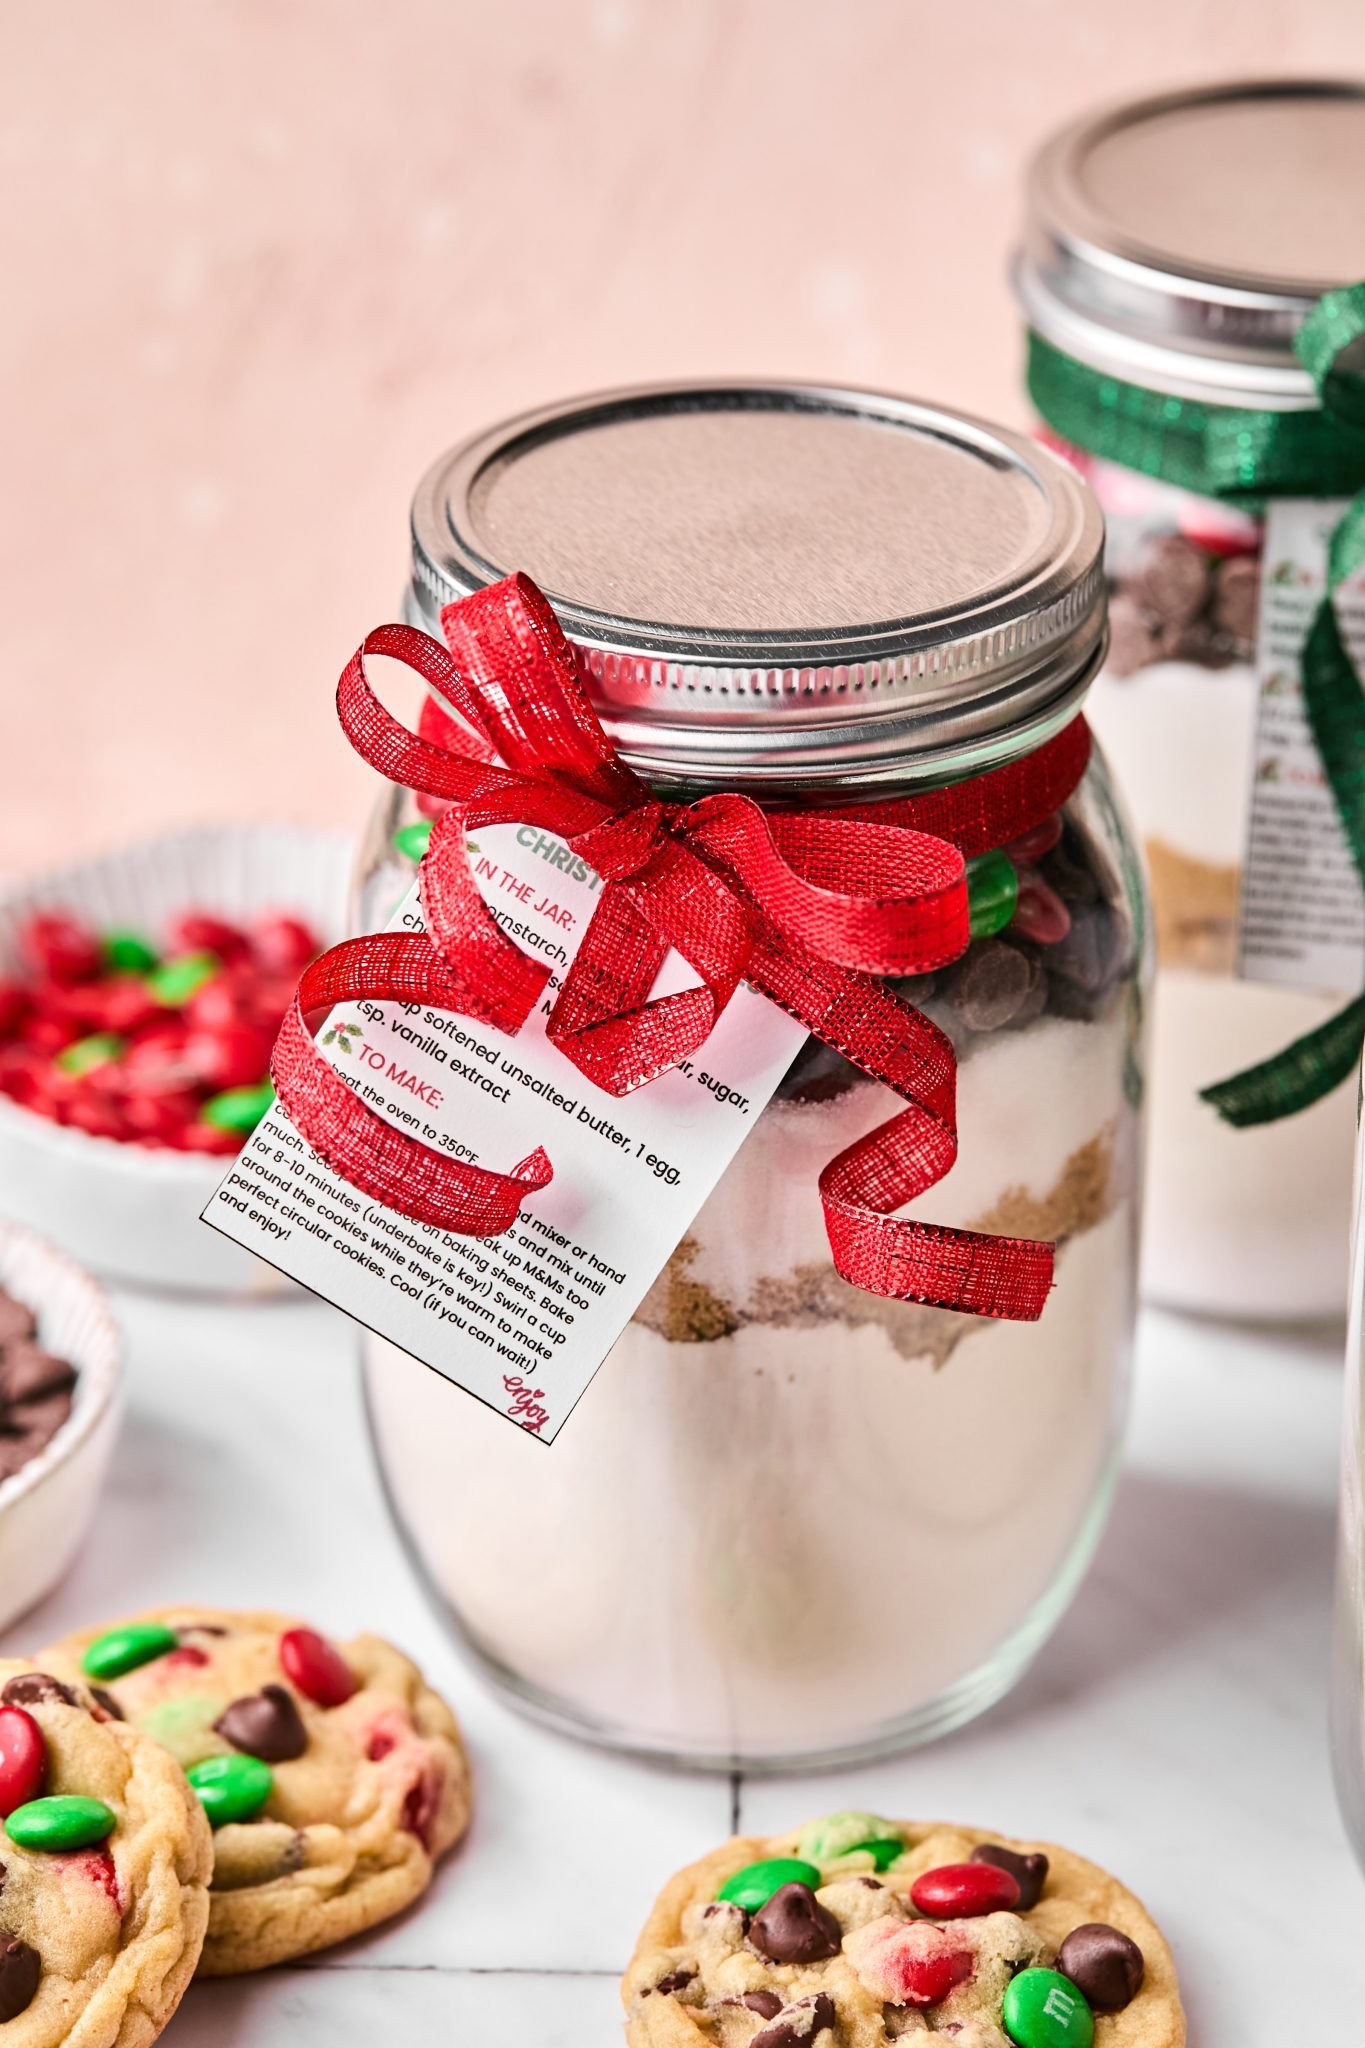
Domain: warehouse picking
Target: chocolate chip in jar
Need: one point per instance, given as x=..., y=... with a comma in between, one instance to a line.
x=994, y=984
x=1132, y=638
x=1237, y=599
x=1171, y=581
x=1094, y=952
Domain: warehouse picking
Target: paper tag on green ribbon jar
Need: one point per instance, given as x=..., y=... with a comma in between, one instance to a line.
x=1301, y=913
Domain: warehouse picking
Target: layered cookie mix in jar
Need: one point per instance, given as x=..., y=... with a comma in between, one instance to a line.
x=797, y=1514
x=1175, y=252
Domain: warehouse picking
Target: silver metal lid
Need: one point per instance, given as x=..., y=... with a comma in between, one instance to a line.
x=784, y=584
x=1180, y=242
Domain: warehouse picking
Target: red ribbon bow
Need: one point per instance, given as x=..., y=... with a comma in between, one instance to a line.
x=809, y=907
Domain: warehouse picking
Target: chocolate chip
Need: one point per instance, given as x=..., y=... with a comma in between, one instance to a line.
x=766, y=2004
x=30, y=1686
x=3, y=1875
x=36, y=1422
x=106, y=1700
x=266, y=1724
x=795, y=1928
x=16, y=1320
x=992, y=984
x=1094, y=951
x=27, y=1372
x=1070, y=874
x=1173, y=579
x=1028, y=1872
x=1196, y=642
x=20, y=1969
x=798, y=2024
x=676, y=1980
x=1102, y=1963
x=1237, y=597
x=1132, y=643
x=870, y=1884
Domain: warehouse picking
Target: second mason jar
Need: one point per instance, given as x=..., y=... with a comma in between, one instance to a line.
x=1174, y=247
x=790, y=1520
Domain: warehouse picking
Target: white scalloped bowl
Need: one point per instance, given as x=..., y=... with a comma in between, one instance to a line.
x=128, y=1212
x=48, y=1505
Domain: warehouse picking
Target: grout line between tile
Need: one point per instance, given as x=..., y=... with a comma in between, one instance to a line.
x=736, y=1799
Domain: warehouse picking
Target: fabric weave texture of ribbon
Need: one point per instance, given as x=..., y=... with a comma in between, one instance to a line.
x=809, y=907
x=1245, y=457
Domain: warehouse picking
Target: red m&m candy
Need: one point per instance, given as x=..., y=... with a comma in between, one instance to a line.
x=23, y=1759
x=59, y=949
x=961, y=1891
x=317, y=1667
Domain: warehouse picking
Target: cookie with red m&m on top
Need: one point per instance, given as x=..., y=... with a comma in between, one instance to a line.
x=105, y=1857
x=855, y=1931
x=332, y=1776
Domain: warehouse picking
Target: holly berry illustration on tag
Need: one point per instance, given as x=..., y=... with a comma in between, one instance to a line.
x=344, y=1035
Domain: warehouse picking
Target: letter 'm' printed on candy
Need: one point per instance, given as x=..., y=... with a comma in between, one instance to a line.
x=522, y=1321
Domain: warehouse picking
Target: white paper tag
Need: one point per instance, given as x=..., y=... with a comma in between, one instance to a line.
x=1301, y=916
x=522, y=1321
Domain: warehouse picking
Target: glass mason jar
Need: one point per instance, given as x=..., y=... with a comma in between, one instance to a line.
x=1177, y=245
x=1348, y=1683
x=790, y=1520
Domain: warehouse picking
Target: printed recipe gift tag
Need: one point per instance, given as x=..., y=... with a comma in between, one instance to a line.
x=523, y=1320
x=1301, y=915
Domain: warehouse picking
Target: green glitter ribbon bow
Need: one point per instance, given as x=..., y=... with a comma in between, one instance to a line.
x=1245, y=457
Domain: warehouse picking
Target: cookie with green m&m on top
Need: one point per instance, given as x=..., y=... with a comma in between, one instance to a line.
x=332, y=1776
x=855, y=1931
x=105, y=1857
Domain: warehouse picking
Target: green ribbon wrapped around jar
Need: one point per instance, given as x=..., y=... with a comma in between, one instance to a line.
x=1244, y=457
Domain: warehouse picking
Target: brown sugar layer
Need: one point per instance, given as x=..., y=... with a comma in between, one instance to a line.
x=1194, y=909
x=684, y=1310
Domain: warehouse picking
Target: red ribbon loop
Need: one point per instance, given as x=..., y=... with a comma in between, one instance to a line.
x=808, y=907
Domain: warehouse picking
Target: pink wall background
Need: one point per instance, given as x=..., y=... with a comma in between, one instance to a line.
x=264, y=258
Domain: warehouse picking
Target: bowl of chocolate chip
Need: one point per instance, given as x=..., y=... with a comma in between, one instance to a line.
x=60, y=1388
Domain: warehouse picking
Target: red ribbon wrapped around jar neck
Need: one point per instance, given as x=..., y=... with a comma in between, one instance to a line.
x=809, y=907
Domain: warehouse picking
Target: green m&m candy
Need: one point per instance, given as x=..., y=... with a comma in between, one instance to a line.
x=992, y=894
x=231, y=1787
x=123, y=1649
x=62, y=1822
x=88, y=1053
x=883, y=1851
x=238, y=1109
x=852, y=1833
x=411, y=840
x=175, y=981
x=753, y=1886
x=1043, y=2009
x=128, y=953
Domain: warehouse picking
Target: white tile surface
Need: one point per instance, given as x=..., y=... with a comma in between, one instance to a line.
x=1173, y=1728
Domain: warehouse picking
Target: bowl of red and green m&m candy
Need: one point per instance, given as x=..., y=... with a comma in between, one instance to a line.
x=140, y=995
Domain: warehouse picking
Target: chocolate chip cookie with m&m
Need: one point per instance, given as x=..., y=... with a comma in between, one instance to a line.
x=855, y=1931
x=105, y=1857
x=332, y=1776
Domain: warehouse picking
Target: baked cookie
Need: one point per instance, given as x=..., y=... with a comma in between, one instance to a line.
x=855, y=1931
x=105, y=1859
x=333, y=1777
